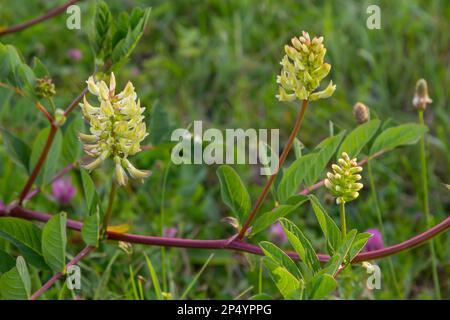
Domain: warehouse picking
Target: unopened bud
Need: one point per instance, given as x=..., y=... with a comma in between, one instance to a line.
x=361, y=112
x=45, y=87
x=60, y=117
x=421, y=98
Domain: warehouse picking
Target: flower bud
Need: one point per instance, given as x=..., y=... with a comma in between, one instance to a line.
x=421, y=98
x=361, y=113
x=375, y=242
x=45, y=87
x=60, y=117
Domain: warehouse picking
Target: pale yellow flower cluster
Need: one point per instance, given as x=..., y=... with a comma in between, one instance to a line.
x=343, y=181
x=303, y=69
x=116, y=126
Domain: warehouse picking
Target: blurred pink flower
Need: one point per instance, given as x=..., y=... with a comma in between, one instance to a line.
x=276, y=232
x=63, y=190
x=170, y=232
x=2, y=205
x=74, y=54
x=375, y=242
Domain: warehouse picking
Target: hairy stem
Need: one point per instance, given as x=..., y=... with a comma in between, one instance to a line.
x=236, y=245
x=424, y=178
x=262, y=195
x=343, y=222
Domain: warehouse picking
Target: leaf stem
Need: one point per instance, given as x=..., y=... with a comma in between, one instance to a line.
x=343, y=222
x=283, y=156
x=424, y=179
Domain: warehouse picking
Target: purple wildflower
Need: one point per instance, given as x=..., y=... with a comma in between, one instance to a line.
x=2, y=205
x=74, y=54
x=277, y=233
x=63, y=190
x=170, y=232
x=375, y=242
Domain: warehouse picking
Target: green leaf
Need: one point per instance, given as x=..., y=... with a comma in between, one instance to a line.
x=394, y=137
x=326, y=149
x=71, y=147
x=280, y=257
x=126, y=45
x=10, y=59
x=54, y=241
x=154, y=278
x=332, y=266
x=329, y=228
x=6, y=262
x=288, y=285
x=159, y=125
x=355, y=141
x=39, y=69
x=294, y=175
x=102, y=23
x=346, y=245
x=90, y=192
x=268, y=218
x=320, y=286
x=358, y=244
x=301, y=244
x=51, y=163
x=25, y=236
x=90, y=231
x=24, y=77
x=16, y=284
x=16, y=148
x=233, y=191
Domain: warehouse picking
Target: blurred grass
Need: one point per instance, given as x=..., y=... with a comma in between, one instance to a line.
x=217, y=61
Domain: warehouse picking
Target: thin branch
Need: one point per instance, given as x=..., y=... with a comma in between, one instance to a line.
x=47, y=146
x=53, y=12
x=283, y=156
x=39, y=163
x=237, y=245
x=58, y=275
x=44, y=111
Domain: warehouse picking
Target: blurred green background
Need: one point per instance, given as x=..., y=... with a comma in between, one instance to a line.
x=217, y=61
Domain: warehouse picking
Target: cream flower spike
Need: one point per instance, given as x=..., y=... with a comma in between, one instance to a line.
x=303, y=70
x=342, y=182
x=116, y=128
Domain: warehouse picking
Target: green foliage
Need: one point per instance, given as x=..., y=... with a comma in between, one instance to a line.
x=16, y=284
x=266, y=219
x=16, y=148
x=398, y=136
x=26, y=237
x=6, y=262
x=51, y=163
x=355, y=141
x=91, y=226
x=233, y=191
x=115, y=39
x=54, y=241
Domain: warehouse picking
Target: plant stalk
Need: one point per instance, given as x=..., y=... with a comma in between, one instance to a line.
x=424, y=179
x=283, y=156
x=343, y=222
